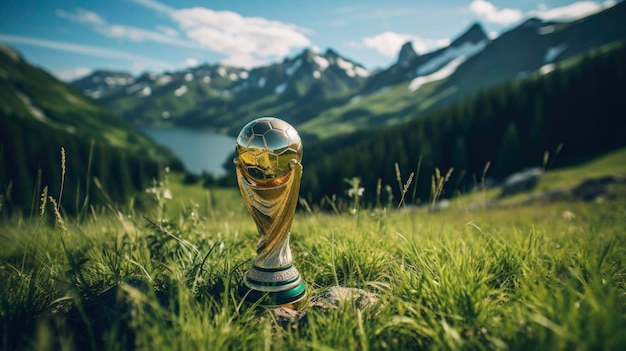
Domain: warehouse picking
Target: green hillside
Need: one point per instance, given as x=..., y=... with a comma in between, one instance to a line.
x=40, y=115
x=575, y=109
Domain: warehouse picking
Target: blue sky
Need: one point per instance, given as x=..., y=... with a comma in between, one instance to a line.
x=70, y=38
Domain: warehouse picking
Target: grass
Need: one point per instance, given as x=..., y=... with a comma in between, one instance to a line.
x=526, y=277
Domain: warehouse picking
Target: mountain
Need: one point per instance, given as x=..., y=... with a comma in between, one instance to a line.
x=470, y=65
x=221, y=97
x=327, y=94
x=39, y=115
x=99, y=82
x=411, y=65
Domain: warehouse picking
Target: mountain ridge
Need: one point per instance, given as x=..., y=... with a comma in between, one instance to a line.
x=317, y=92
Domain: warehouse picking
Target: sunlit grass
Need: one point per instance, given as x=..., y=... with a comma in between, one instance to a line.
x=525, y=277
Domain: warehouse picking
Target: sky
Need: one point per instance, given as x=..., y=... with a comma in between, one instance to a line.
x=71, y=38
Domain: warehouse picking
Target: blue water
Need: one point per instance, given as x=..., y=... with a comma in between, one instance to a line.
x=199, y=150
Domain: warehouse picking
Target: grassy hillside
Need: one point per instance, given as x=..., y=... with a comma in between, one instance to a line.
x=40, y=116
x=546, y=276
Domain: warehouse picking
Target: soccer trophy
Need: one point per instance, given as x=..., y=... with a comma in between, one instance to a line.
x=268, y=167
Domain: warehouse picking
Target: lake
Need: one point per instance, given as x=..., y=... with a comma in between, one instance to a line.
x=199, y=150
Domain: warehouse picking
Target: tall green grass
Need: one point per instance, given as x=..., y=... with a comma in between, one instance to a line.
x=163, y=275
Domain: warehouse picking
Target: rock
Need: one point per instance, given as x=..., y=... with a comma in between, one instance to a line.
x=546, y=197
x=337, y=295
x=441, y=205
x=592, y=189
x=288, y=318
x=525, y=180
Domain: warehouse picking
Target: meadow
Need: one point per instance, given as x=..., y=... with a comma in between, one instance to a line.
x=161, y=272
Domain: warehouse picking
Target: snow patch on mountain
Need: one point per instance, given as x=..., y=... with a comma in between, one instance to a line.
x=355, y=99
x=466, y=50
x=147, y=91
x=39, y=115
x=181, y=90
x=118, y=80
x=317, y=74
x=261, y=82
x=162, y=80
x=442, y=73
x=94, y=94
x=280, y=88
x=244, y=75
x=545, y=30
x=206, y=79
x=34, y=110
x=134, y=88
x=291, y=70
x=545, y=69
x=188, y=77
x=351, y=69
x=322, y=62
x=360, y=71
x=553, y=52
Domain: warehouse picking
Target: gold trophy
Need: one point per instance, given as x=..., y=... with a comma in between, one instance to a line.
x=268, y=167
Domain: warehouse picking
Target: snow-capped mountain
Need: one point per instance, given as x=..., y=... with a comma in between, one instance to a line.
x=328, y=93
x=411, y=66
x=189, y=96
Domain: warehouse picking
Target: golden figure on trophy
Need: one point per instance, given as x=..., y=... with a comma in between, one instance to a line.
x=269, y=152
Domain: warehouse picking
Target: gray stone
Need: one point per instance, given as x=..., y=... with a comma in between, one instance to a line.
x=594, y=188
x=288, y=318
x=525, y=180
x=338, y=295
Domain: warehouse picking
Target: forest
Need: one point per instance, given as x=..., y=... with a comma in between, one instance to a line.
x=32, y=158
x=572, y=113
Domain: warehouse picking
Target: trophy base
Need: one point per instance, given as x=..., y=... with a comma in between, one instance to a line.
x=273, y=287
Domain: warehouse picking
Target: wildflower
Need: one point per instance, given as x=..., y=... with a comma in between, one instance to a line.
x=167, y=194
x=568, y=215
x=356, y=192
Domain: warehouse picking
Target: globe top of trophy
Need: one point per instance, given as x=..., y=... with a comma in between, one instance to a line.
x=265, y=147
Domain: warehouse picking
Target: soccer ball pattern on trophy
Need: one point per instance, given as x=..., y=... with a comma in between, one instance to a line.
x=265, y=148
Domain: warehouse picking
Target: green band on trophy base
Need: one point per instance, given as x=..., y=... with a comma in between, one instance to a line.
x=268, y=299
x=269, y=152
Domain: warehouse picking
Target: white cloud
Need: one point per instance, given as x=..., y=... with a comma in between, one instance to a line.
x=82, y=16
x=390, y=43
x=572, y=11
x=156, y=6
x=72, y=74
x=89, y=50
x=244, y=41
x=490, y=13
x=191, y=62
x=169, y=31
x=241, y=39
x=387, y=43
x=136, y=34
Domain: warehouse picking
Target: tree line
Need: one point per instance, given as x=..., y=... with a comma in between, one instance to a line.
x=579, y=106
x=92, y=173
